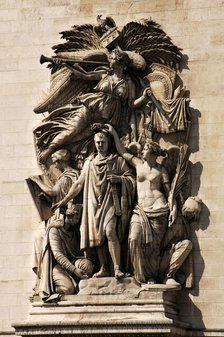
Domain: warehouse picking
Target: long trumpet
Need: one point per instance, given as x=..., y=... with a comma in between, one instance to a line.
x=44, y=59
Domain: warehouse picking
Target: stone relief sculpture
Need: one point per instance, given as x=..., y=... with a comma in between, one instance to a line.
x=109, y=189
x=177, y=246
x=117, y=109
x=59, y=241
x=151, y=212
x=62, y=264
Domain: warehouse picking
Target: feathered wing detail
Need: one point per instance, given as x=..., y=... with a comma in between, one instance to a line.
x=78, y=38
x=180, y=178
x=151, y=42
x=64, y=90
x=82, y=43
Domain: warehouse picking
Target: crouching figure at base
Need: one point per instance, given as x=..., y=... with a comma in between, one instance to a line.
x=62, y=264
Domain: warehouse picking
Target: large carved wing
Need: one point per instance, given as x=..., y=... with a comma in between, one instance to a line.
x=82, y=43
x=79, y=37
x=150, y=41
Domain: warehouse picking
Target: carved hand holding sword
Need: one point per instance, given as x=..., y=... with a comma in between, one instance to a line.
x=110, y=175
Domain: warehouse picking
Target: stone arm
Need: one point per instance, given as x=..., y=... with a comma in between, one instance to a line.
x=142, y=100
x=73, y=192
x=59, y=254
x=134, y=161
x=173, y=214
x=89, y=76
x=135, y=104
x=57, y=250
x=166, y=182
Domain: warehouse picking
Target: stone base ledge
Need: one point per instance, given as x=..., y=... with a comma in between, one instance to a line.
x=107, y=307
x=164, y=328
x=207, y=333
x=66, y=330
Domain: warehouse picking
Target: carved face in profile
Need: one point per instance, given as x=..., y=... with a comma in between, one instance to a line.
x=152, y=148
x=102, y=143
x=147, y=152
x=119, y=58
x=60, y=157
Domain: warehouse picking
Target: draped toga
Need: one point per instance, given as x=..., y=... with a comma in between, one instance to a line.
x=98, y=203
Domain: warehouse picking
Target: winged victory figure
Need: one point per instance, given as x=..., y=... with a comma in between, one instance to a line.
x=103, y=75
x=128, y=79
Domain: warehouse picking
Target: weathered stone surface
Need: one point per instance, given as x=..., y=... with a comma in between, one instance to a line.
x=127, y=287
x=151, y=312
x=189, y=21
x=109, y=286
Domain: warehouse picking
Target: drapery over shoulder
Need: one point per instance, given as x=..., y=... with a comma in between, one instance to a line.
x=98, y=203
x=64, y=183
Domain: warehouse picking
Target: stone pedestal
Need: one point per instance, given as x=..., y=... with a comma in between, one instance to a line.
x=108, y=307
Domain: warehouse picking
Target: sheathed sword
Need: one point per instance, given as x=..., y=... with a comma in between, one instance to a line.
x=115, y=195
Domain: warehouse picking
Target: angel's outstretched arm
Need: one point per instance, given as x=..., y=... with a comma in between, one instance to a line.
x=78, y=71
x=134, y=161
x=73, y=192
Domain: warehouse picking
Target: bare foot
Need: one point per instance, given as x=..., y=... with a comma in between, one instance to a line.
x=101, y=273
x=118, y=274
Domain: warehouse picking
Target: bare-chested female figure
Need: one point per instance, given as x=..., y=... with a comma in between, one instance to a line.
x=151, y=214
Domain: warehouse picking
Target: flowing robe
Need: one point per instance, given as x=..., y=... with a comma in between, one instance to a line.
x=98, y=203
x=64, y=183
x=59, y=247
x=42, y=264
x=178, y=112
x=105, y=104
x=147, y=230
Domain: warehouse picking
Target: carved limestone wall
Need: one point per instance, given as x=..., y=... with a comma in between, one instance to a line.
x=29, y=28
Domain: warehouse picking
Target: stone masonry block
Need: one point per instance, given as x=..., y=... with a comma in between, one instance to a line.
x=8, y=14
x=209, y=13
x=202, y=4
x=12, y=287
x=21, y=261
x=5, y=312
x=11, y=237
x=12, y=187
x=5, y=27
x=207, y=282
x=21, y=175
